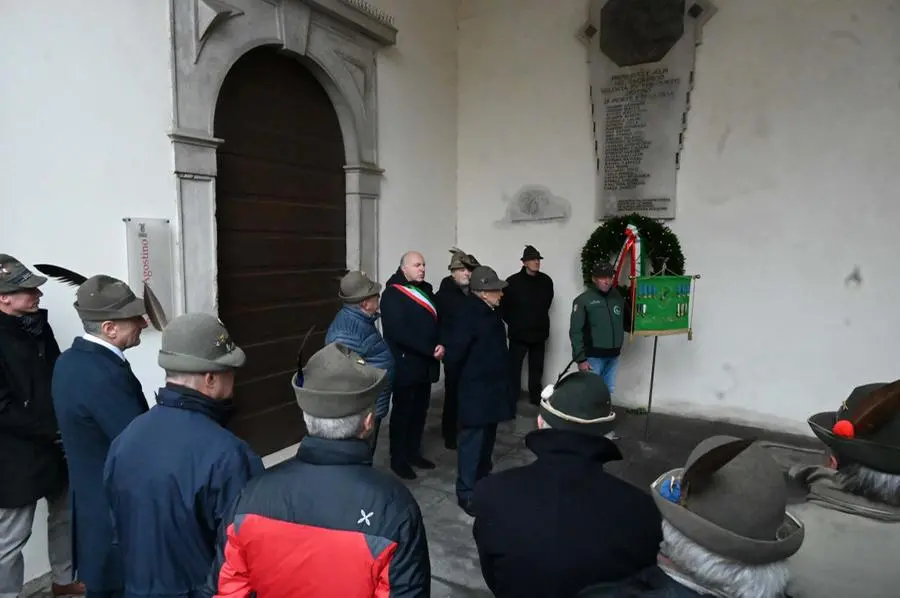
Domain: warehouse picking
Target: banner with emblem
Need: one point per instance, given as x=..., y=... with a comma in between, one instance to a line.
x=662, y=305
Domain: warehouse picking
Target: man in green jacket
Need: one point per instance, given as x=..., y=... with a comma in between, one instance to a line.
x=600, y=317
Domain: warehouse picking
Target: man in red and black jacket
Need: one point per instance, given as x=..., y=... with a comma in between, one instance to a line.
x=326, y=524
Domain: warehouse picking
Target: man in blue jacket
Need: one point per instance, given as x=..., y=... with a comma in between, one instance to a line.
x=354, y=328
x=95, y=395
x=172, y=473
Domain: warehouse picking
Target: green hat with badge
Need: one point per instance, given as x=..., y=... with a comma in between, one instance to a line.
x=198, y=343
x=101, y=298
x=356, y=287
x=461, y=260
x=579, y=402
x=337, y=382
x=15, y=277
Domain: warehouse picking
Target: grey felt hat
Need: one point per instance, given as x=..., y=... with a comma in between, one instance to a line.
x=14, y=276
x=579, y=402
x=530, y=253
x=460, y=259
x=484, y=278
x=337, y=382
x=101, y=298
x=730, y=498
x=356, y=286
x=198, y=343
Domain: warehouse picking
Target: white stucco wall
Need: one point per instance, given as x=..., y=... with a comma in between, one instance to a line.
x=417, y=135
x=85, y=110
x=788, y=182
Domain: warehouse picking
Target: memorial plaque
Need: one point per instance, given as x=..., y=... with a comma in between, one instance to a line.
x=149, y=251
x=641, y=65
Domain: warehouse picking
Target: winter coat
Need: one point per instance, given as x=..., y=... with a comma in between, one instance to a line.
x=598, y=323
x=526, y=306
x=170, y=476
x=477, y=350
x=96, y=396
x=409, y=318
x=555, y=526
x=32, y=465
x=649, y=583
x=355, y=329
x=323, y=524
x=449, y=298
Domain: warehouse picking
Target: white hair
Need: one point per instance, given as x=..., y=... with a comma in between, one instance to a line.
x=874, y=485
x=93, y=328
x=341, y=428
x=718, y=573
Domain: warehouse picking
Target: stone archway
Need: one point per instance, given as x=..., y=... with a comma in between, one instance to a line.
x=339, y=40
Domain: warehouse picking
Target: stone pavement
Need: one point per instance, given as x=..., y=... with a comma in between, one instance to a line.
x=454, y=559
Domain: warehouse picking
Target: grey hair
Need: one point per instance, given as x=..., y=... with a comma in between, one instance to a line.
x=341, y=428
x=725, y=575
x=93, y=328
x=874, y=485
x=183, y=378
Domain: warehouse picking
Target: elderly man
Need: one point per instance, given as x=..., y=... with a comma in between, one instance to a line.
x=96, y=395
x=526, y=309
x=450, y=297
x=32, y=465
x=725, y=529
x=594, y=526
x=354, y=328
x=326, y=524
x=172, y=472
x=600, y=317
x=410, y=321
x=852, y=511
x=477, y=350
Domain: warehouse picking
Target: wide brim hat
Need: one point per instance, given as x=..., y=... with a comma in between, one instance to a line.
x=101, y=298
x=878, y=449
x=356, y=287
x=337, y=382
x=731, y=499
x=14, y=276
x=579, y=402
x=484, y=278
x=198, y=343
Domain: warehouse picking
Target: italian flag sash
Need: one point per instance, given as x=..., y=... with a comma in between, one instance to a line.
x=418, y=297
x=631, y=259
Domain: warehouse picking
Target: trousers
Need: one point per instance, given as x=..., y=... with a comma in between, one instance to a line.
x=535, y=352
x=450, y=414
x=15, y=530
x=410, y=410
x=474, y=451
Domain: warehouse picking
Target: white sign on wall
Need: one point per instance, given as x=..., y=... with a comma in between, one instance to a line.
x=149, y=245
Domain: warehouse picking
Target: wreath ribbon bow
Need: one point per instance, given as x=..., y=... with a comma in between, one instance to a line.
x=632, y=251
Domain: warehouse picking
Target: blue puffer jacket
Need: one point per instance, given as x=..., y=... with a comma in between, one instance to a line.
x=355, y=329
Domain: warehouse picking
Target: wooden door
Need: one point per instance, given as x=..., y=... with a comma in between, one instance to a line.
x=281, y=224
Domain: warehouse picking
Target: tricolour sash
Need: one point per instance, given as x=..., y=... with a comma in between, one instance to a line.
x=418, y=297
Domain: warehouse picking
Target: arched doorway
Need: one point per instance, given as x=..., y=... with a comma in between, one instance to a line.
x=281, y=227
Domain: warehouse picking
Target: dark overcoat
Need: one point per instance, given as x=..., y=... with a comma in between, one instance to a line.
x=477, y=350
x=96, y=395
x=409, y=318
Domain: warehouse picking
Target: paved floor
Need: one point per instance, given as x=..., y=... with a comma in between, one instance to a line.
x=454, y=560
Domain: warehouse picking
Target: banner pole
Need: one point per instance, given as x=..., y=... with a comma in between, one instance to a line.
x=650, y=398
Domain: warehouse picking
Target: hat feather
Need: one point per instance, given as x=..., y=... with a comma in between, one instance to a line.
x=62, y=274
x=155, y=312
x=701, y=470
x=874, y=410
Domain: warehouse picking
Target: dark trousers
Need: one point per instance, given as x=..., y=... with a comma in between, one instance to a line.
x=450, y=414
x=535, y=352
x=474, y=450
x=375, y=430
x=408, y=422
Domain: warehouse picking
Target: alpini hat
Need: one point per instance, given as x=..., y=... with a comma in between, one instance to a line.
x=14, y=276
x=579, y=402
x=484, y=278
x=866, y=428
x=356, y=286
x=337, y=382
x=198, y=343
x=460, y=259
x=101, y=298
x=731, y=498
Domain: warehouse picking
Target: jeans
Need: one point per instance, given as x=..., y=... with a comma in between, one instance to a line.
x=605, y=367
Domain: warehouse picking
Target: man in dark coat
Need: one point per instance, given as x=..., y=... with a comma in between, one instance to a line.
x=96, y=395
x=526, y=310
x=561, y=523
x=477, y=350
x=326, y=524
x=171, y=474
x=32, y=465
x=450, y=297
x=354, y=328
x=410, y=320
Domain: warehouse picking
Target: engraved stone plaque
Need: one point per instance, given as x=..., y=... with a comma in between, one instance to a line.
x=641, y=56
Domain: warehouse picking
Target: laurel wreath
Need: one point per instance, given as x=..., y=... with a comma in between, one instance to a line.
x=661, y=245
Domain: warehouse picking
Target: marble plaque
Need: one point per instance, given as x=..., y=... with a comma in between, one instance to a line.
x=641, y=55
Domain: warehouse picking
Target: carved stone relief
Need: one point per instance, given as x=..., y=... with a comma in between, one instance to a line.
x=338, y=40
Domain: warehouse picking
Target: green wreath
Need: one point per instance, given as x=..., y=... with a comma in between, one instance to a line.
x=660, y=244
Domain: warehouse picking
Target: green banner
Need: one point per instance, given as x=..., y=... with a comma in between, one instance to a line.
x=662, y=305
